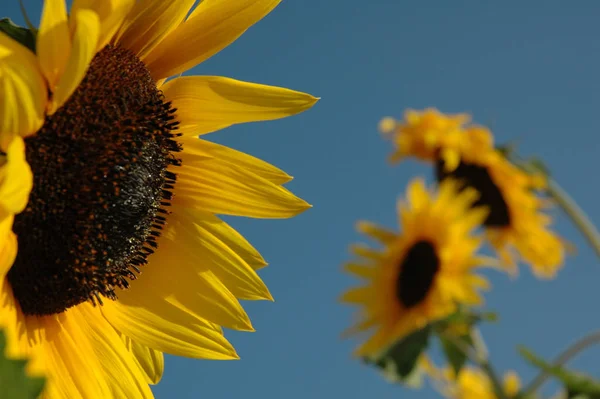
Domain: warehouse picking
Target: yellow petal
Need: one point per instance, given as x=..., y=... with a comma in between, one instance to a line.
x=202, y=241
x=150, y=361
x=212, y=26
x=217, y=187
x=85, y=40
x=160, y=83
x=375, y=344
x=61, y=348
x=169, y=329
x=367, y=252
x=232, y=239
x=23, y=92
x=209, y=103
x=149, y=22
x=8, y=245
x=357, y=295
x=111, y=14
x=417, y=194
x=475, y=217
x=10, y=317
x=176, y=274
x=378, y=233
x=117, y=366
x=451, y=159
x=53, y=40
x=16, y=179
x=359, y=327
x=207, y=149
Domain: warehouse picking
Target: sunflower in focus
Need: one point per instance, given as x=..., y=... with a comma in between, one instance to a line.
x=112, y=195
x=473, y=383
x=516, y=225
x=423, y=272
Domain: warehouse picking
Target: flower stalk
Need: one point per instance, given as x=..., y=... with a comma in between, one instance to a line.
x=572, y=351
x=576, y=214
x=478, y=355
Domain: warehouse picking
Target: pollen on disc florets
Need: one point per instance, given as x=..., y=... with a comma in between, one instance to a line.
x=100, y=188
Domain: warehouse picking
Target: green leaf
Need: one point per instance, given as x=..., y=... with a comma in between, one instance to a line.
x=452, y=338
x=466, y=316
x=508, y=149
x=491, y=317
x=455, y=356
x=571, y=395
x=538, y=166
x=14, y=383
x=413, y=380
x=399, y=362
x=22, y=35
x=523, y=395
x=577, y=385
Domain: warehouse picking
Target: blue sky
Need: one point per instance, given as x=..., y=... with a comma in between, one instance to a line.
x=528, y=69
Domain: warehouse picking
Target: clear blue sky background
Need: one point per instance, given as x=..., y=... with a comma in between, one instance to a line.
x=530, y=69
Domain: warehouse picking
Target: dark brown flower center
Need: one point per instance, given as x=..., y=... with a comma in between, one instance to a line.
x=418, y=269
x=100, y=188
x=479, y=178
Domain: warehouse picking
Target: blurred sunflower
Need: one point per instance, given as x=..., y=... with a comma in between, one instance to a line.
x=423, y=272
x=516, y=225
x=473, y=383
x=121, y=256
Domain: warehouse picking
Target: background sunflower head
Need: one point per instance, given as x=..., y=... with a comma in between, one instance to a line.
x=516, y=225
x=422, y=272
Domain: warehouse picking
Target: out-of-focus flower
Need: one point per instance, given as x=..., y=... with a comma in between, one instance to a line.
x=516, y=225
x=423, y=272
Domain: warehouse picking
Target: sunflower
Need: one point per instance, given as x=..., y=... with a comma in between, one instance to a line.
x=422, y=273
x=472, y=383
x=516, y=225
x=113, y=196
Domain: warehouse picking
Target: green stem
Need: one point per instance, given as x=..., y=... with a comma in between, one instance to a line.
x=31, y=27
x=496, y=383
x=480, y=358
x=577, y=215
x=565, y=356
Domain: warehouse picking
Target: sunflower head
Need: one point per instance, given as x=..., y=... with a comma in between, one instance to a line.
x=516, y=225
x=114, y=196
x=108, y=187
x=423, y=272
